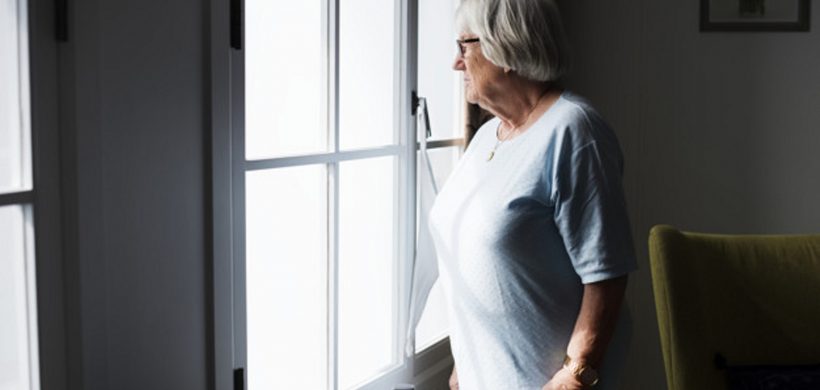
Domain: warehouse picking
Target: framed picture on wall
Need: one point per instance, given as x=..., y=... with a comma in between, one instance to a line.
x=754, y=15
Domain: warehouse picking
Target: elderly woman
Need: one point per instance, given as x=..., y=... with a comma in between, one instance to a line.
x=531, y=229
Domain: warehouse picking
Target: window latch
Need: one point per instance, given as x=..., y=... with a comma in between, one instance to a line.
x=421, y=103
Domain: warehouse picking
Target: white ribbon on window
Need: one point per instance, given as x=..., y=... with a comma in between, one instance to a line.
x=425, y=266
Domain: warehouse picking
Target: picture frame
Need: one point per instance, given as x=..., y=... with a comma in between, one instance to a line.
x=754, y=15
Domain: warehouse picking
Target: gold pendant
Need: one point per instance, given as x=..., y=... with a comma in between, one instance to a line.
x=492, y=153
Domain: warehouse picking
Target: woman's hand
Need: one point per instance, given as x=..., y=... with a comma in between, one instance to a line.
x=454, y=379
x=563, y=380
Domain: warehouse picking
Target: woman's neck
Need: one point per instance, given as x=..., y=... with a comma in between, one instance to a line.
x=519, y=109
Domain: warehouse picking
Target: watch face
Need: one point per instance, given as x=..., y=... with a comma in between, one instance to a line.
x=588, y=376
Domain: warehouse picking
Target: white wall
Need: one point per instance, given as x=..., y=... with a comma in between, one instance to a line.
x=720, y=130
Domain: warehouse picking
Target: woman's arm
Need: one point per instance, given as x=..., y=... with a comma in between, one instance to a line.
x=596, y=320
x=594, y=327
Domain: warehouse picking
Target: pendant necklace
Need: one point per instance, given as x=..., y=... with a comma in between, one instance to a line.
x=499, y=141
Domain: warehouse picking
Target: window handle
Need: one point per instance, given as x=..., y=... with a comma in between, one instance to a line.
x=426, y=114
x=421, y=103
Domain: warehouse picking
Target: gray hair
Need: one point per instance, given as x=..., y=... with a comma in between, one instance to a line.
x=526, y=36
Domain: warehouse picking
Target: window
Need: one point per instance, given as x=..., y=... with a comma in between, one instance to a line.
x=322, y=178
x=18, y=328
x=323, y=173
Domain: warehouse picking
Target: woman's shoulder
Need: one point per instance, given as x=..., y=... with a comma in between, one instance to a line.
x=577, y=122
x=575, y=111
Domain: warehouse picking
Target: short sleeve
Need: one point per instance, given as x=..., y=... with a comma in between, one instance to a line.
x=590, y=210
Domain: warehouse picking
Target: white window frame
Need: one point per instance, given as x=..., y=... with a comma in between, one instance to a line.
x=25, y=197
x=228, y=167
x=46, y=294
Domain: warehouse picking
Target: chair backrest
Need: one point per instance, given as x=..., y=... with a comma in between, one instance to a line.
x=754, y=299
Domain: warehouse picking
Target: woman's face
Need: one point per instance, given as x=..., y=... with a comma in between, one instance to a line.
x=481, y=77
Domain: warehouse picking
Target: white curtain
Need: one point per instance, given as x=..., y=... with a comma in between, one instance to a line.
x=425, y=266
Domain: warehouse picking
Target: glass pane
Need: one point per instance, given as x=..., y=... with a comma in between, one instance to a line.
x=367, y=252
x=367, y=57
x=286, y=278
x=433, y=324
x=438, y=82
x=17, y=329
x=14, y=128
x=284, y=98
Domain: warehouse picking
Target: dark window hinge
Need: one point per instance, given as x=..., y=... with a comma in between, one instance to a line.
x=61, y=20
x=236, y=24
x=239, y=379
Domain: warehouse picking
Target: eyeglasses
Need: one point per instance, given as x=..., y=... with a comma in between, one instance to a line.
x=460, y=43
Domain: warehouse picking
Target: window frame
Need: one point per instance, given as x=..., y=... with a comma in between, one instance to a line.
x=227, y=165
x=24, y=196
x=46, y=296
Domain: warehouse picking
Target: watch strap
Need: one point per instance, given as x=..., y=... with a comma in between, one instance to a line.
x=585, y=374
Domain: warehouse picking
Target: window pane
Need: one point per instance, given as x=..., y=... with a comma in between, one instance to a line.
x=283, y=78
x=438, y=82
x=433, y=324
x=14, y=131
x=367, y=54
x=367, y=252
x=17, y=329
x=286, y=278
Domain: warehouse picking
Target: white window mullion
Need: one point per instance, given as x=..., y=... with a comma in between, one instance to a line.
x=324, y=158
x=16, y=198
x=31, y=298
x=25, y=109
x=400, y=188
x=330, y=24
x=405, y=124
x=332, y=74
x=333, y=273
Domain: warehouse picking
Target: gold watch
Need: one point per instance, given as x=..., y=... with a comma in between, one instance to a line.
x=585, y=374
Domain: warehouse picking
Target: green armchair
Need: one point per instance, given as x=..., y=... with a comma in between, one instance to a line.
x=754, y=299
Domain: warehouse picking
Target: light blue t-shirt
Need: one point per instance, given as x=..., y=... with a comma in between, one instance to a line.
x=516, y=238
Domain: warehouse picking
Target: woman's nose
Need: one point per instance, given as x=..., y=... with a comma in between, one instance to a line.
x=458, y=64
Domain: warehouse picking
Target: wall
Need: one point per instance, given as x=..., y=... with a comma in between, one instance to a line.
x=133, y=106
x=719, y=130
